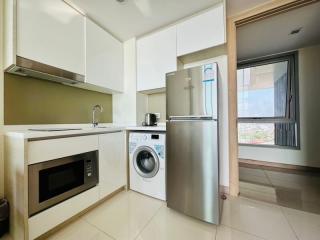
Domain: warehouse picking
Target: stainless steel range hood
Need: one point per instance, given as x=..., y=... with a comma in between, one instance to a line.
x=27, y=67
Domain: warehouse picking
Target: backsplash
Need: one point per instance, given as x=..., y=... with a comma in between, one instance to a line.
x=157, y=104
x=32, y=101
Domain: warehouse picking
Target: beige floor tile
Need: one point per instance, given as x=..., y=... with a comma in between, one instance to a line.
x=257, y=218
x=226, y=233
x=257, y=195
x=306, y=225
x=125, y=215
x=79, y=230
x=258, y=187
x=290, y=180
x=251, y=172
x=170, y=225
x=254, y=176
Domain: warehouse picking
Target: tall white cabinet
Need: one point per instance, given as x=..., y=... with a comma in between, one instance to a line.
x=202, y=31
x=50, y=32
x=104, y=58
x=112, y=162
x=156, y=55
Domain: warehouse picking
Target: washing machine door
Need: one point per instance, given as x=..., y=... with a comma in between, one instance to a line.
x=146, y=162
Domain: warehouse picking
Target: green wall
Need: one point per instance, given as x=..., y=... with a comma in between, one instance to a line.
x=33, y=101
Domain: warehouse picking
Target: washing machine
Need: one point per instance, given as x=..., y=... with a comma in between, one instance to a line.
x=148, y=163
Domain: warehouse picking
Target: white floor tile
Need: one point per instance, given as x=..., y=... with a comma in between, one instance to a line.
x=226, y=233
x=79, y=230
x=257, y=218
x=306, y=225
x=170, y=225
x=125, y=215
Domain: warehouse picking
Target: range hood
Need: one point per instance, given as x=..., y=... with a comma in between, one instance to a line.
x=27, y=67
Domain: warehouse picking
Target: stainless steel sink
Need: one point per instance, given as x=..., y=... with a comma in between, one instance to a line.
x=53, y=129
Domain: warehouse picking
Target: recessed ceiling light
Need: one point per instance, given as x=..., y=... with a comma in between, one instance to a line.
x=121, y=1
x=295, y=31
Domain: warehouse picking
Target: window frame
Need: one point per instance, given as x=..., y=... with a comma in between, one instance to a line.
x=293, y=77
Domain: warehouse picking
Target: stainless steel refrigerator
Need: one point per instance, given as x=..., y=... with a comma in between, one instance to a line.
x=192, y=142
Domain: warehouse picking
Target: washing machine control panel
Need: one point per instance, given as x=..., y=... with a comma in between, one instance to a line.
x=156, y=140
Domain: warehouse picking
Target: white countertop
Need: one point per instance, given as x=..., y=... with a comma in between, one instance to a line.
x=22, y=131
x=160, y=128
x=85, y=129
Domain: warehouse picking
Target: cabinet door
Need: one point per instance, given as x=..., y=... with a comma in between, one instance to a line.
x=112, y=162
x=51, y=32
x=104, y=58
x=156, y=56
x=203, y=31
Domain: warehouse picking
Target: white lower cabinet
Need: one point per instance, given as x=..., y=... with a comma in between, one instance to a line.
x=112, y=162
x=52, y=217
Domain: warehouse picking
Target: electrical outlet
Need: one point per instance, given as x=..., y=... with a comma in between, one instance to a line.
x=158, y=115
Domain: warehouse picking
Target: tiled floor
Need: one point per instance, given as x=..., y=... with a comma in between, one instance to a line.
x=292, y=189
x=130, y=215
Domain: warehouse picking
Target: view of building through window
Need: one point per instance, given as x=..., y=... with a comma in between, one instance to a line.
x=263, y=103
x=256, y=133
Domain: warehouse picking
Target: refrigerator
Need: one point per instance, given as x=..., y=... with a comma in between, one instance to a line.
x=192, y=142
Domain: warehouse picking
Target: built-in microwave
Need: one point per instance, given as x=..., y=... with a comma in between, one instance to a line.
x=54, y=181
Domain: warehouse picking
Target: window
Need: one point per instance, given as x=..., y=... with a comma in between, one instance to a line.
x=268, y=101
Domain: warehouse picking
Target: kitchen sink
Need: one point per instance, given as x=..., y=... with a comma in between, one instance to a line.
x=53, y=129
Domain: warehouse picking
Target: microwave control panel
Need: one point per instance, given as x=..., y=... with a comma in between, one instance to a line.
x=89, y=168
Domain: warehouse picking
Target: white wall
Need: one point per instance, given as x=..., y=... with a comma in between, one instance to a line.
x=223, y=114
x=1, y=99
x=309, y=93
x=130, y=106
x=124, y=104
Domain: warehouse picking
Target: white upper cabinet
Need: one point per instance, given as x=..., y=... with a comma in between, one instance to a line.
x=104, y=58
x=156, y=56
x=203, y=31
x=51, y=32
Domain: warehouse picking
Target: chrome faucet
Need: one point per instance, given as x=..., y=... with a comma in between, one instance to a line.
x=95, y=121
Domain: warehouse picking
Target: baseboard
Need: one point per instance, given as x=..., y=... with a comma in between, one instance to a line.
x=276, y=166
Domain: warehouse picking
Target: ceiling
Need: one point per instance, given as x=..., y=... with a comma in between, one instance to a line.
x=134, y=18
x=236, y=6
x=137, y=17
x=272, y=35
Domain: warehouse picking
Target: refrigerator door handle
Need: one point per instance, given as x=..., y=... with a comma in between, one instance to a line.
x=200, y=117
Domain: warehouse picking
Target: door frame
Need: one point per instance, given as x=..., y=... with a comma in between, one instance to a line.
x=2, y=53
x=260, y=12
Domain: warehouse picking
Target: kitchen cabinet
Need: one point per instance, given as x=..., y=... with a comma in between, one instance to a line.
x=112, y=162
x=50, y=32
x=156, y=56
x=202, y=31
x=104, y=58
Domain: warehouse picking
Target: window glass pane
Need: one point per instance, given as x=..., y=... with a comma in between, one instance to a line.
x=262, y=90
x=256, y=133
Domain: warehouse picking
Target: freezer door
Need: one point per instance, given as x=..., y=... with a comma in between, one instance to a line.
x=192, y=169
x=193, y=92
